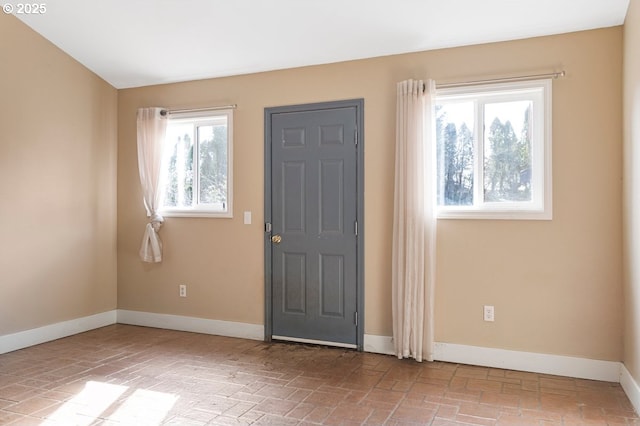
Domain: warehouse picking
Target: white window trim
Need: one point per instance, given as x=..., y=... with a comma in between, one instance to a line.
x=201, y=210
x=540, y=208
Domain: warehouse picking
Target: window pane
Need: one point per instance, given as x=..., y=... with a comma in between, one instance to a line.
x=213, y=164
x=454, y=134
x=179, y=179
x=507, y=151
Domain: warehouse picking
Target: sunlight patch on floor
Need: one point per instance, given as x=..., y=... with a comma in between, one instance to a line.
x=142, y=407
x=145, y=407
x=84, y=408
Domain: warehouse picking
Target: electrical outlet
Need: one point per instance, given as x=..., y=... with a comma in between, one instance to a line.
x=489, y=313
x=183, y=290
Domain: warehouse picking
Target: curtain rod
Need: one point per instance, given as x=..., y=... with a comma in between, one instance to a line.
x=553, y=75
x=179, y=111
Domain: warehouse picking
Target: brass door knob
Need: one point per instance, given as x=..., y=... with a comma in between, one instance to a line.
x=276, y=239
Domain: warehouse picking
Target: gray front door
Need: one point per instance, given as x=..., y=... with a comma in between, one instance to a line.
x=313, y=217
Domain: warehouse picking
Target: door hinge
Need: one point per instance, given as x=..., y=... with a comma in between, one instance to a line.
x=355, y=318
x=355, y=136
x=267, y=227
x=355, y=227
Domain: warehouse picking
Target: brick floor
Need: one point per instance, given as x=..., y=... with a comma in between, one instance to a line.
x=126, y=375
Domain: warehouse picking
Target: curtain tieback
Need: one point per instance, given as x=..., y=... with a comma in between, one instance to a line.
x=156, y=220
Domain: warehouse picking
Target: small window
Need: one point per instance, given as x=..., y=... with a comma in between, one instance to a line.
x=493, y=151
x=197, y=165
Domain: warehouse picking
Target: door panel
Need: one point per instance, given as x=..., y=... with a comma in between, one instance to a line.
x=314, y=209
x=294, y=283
x=332, y=285
x=293, y=196
x=332, y=197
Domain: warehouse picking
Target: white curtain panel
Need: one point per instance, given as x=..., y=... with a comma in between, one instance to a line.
x=152, y=128
x=414, y=226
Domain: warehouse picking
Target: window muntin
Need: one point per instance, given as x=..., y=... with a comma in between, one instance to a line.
x=197, y=165
x=493, y=151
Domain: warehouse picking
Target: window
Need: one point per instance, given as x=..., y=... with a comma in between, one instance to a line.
x=197, y=165
x=493, y=151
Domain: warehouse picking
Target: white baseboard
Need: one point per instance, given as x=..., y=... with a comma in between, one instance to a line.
x=47, y=333
x=193, y=324
x=559, y=365
x=379, y=344
x=631, y=387
x=583, y=368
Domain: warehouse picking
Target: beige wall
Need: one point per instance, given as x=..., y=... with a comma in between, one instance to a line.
x=632, y=190
x=58, y=184
x=556, y=285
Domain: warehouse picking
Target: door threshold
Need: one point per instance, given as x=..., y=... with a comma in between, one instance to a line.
x=314, y=342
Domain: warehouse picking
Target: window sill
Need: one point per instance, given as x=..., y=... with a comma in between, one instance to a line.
x=495, y=215
x=196, y=214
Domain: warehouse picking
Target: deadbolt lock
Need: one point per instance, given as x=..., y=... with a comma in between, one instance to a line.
x=276, y=239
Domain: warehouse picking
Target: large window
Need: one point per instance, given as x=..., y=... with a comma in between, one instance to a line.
x=493, y=151
x=197, y=165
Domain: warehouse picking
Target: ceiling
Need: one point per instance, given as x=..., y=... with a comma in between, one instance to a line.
x=132, y=43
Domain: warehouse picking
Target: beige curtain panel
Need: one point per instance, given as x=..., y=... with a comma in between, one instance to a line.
x=152, y=128
x=413, y=263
